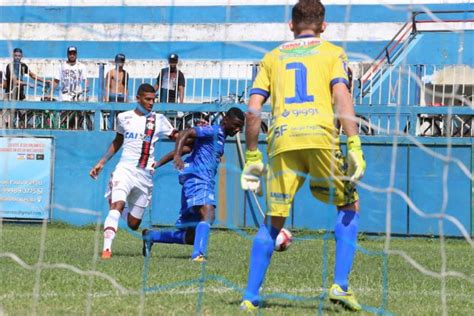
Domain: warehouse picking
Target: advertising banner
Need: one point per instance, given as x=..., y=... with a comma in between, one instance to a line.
x=25, y=177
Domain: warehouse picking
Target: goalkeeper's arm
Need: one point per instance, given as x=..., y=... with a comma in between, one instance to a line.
x=253, y=121
x=254, y=167
x=346, y=114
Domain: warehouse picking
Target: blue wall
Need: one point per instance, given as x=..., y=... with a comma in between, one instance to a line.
x=433, y=49
x=417, y=174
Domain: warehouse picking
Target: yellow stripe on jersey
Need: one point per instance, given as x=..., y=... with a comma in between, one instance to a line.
x=298, y=77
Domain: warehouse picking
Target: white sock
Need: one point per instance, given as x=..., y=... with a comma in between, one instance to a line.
x=110, y=228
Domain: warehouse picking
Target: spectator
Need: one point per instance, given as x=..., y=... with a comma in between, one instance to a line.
x=15, y=71
x=70, y=77
x=168, y=80
x=116, y=82
x=3, y=82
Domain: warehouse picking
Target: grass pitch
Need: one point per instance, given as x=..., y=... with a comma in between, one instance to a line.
x=175, y=285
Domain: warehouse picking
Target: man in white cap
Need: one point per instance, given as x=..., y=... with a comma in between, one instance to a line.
x=70, y=76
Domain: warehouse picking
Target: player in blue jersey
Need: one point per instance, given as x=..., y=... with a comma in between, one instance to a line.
x=197, y=177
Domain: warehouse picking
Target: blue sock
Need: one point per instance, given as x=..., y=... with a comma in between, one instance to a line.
x=260, y=256
x=200, y=240
x=346, y=241
x=167, y=237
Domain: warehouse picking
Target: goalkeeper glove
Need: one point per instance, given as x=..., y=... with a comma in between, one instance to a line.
x=356, y=160
x=253, y=169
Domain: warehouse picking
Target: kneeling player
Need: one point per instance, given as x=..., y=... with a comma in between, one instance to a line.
x=197, y=177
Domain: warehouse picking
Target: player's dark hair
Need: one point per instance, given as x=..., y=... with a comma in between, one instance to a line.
x=235, y=113
x=308, y=14
x=145, y=88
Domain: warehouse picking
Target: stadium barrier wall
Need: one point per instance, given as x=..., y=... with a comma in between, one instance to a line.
x=417, y=173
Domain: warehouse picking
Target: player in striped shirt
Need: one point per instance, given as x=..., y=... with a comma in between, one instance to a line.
x=131, y=183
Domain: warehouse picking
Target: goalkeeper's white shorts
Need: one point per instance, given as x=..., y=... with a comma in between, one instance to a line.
x=131, y=185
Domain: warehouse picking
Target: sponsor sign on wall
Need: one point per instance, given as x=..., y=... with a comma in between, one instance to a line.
x=25, y=177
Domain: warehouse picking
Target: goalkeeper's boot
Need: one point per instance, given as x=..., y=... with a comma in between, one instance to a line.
x=247, y=306
x=106, y=254
x=147, y=243
x=199, y=258
x=345, y=298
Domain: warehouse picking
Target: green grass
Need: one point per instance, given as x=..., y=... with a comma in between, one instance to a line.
x=297, y=272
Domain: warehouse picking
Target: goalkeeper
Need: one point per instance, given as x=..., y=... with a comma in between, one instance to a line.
x=303, y=78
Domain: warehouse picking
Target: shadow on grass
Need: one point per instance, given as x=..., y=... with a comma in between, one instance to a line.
x=268, y=304
x=156, y=256
x=167, y=256
x=128, y=254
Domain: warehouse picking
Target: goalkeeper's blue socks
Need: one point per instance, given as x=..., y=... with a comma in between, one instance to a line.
x=200, y=239
x=260, y=256
x=167, y=237
x=346, y=242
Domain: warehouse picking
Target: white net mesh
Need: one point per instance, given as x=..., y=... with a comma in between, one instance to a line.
x=425, y=64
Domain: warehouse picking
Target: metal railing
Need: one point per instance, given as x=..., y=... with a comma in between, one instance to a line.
x=454, y=122
x=424, y=85
x=405, y=39
x=419, y=85
x=205, y=81
x=47, y=119
x=373, y=121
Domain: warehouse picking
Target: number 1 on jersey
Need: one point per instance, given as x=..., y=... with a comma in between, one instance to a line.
x=301, y=91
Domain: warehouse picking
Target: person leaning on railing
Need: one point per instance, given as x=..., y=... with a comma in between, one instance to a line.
x=15, y=72
x=116, y=87
x=69, y=77
x=2, y=81
x=116, y=81
x=171, y=82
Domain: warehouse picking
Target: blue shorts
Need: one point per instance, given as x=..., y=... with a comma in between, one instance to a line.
x=195, y=192
x=117, y=97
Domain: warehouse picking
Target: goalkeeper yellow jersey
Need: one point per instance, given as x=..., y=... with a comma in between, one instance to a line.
x=298, y=77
